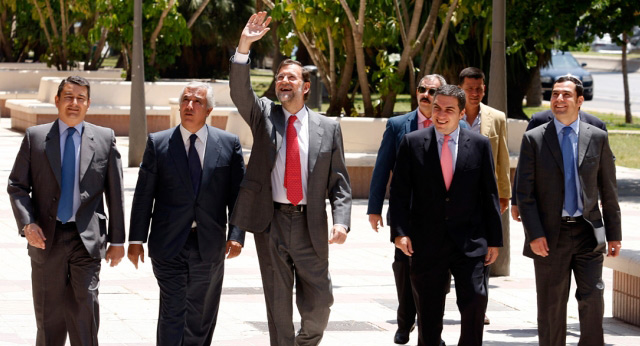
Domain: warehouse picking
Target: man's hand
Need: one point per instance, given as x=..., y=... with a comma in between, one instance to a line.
x=491, y=256
x=376, y=221
x=255, y=29
x=34, y=235
x=515, y=213
x=504, y=204
x=539, y=246
x=338, y=235
x=404, y=244
x=233, y=249
x=613, y=248
x=134, y=252
x=114, y=254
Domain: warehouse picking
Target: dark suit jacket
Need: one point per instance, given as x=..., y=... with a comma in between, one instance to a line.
x=327, y=170
x=424, y=210
x=544, y=117
x=540, y=189
x=34, y=187
x=165, y=198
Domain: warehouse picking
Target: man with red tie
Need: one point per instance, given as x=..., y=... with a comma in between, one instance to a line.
x=445, y=215
x=297, y=160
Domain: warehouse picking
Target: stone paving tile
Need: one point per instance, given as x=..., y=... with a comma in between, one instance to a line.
x=364, y=291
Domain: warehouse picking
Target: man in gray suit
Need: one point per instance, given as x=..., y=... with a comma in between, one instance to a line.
x=565, y=165
x=297, y=160
x=56, y=188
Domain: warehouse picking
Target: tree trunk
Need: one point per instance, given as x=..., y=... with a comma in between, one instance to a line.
x=138, y=115
x=534, y=95
x=276, y=58
x=156, y=33
x=342, y=94
x=625, y=81
x=358, y=32
x=198, y=12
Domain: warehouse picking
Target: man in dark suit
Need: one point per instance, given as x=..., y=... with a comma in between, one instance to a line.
x=445, y=215
x=188, y=182
x=544, y=117
x=565, y=166
x=297, y=160
x=56, y=186
x=397, y=127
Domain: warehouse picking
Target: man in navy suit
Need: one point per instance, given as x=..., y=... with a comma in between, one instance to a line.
x=397, y=127
x=445, y=215
x=541, y=118
x=188, y=183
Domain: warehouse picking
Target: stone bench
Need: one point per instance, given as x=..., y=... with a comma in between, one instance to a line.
x=626, y=284
x=22, y=81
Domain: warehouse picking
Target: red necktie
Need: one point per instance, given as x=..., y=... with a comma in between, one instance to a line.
x=426, y=123
x=292, y=175
x=446, y=161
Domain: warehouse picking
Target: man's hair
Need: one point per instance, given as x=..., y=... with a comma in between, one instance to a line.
x=77, y=80
x=470, y=72
x=433, y=77
x=452, y=90
x=572, y=79
x=306, y=75
x=196, y=85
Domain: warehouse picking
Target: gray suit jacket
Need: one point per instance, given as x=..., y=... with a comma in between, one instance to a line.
x=327, y=171
x=34, y=186
x=540, y=189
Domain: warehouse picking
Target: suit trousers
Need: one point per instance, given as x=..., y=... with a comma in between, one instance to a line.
x=406, y=316
x=65, y=291
x=287, y=257
x=574, y=253
x=431, y=281
x=190, y=290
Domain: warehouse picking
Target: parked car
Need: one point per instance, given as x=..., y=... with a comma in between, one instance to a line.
x=563, y=63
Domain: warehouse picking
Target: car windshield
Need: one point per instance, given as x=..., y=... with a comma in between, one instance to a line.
x=563, y=61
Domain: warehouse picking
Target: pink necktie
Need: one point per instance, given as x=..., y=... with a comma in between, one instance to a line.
x=292, y=175
x=446, y=161
x=426, y=124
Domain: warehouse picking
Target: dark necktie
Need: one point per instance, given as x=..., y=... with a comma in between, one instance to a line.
x=195, y=167
x=570, y=191
x=65, y=207
x=292, y=172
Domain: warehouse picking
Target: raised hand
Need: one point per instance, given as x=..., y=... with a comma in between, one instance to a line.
x=256, y=28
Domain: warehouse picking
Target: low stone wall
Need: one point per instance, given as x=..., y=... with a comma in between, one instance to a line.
x=23, y=80
x=626, y=285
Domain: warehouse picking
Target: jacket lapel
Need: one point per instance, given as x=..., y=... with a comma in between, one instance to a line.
x=486, y=121
x=463, y=155
x=432, y=157
x=278, y=131
x=87, y=149
x=551, y=139
x=179, y=156
x=412, y=122
x=52, y=149
x=584, y=138
x=315, y=138
x=211, y=155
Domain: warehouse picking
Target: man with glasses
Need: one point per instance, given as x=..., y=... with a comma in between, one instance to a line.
x=397, y=127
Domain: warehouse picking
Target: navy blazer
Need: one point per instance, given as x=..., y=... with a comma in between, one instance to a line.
x=421, y=207
x=397, y=127
x=165, y=198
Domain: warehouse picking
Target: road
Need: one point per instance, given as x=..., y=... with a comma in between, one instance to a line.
x=608, y=95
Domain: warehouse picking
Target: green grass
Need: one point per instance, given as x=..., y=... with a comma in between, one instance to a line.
x=625, y=148
x=613, y=121
x=110, y=61
x=612, y=55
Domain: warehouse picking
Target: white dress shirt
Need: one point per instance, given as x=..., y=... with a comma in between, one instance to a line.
x=277, y=173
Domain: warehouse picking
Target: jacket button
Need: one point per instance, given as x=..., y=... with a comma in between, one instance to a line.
x=54, y=199
x=446, y=218
x=50, y=217
x=447, y=199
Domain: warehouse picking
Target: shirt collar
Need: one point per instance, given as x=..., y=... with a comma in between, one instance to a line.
x=62, y=127
x=477, y=120
x=454, y=135
x=575, y=126
x=302, y=113
x=421, y=117
x=202, y=134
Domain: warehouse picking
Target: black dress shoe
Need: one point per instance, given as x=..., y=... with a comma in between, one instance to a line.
x=402, y=336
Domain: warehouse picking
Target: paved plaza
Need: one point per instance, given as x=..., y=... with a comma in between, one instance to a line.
x=364, y=291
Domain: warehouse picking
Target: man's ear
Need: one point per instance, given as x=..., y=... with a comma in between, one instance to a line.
x=306, y=87
x=462, y=114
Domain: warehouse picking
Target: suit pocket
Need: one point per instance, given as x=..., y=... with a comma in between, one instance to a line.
x=102, y=223
x=251, y=185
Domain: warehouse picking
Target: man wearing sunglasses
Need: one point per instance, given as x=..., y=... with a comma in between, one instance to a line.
x=397, y=127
